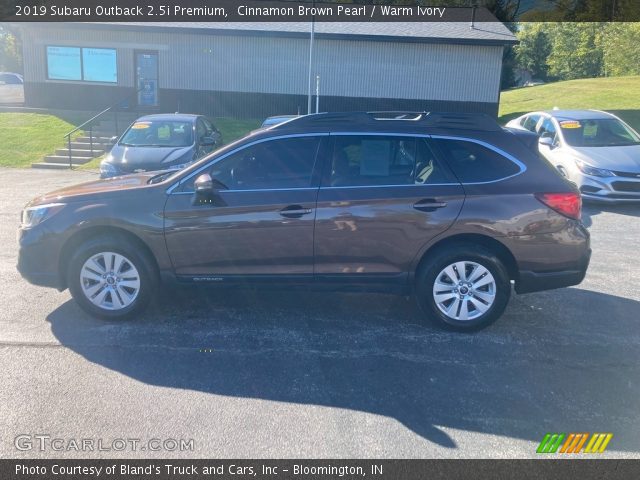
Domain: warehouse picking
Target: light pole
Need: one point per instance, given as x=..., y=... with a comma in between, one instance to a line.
x=318, y=94
x=313, y=28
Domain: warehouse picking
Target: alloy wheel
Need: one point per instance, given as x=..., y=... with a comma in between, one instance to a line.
x=110, y=281
x=464, y=290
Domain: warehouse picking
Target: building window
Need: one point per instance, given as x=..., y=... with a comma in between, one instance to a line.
x=82, y=64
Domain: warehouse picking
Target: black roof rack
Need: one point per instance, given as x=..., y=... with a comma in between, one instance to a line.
x=461, y=121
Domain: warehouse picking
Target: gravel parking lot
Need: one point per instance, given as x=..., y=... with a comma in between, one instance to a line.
x=291, y=374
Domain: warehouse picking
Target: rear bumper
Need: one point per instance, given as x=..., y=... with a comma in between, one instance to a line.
x=530, y=281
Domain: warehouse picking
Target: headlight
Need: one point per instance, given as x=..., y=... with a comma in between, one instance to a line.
x=593, y=171
x=107, y=169
x=33, y=216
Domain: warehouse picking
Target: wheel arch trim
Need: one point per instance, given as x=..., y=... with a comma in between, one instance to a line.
x=96, y=231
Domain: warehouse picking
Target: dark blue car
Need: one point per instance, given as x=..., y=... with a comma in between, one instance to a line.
x=160, y=142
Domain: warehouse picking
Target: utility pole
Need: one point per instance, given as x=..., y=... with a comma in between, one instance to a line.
x=318, y=94
x=313, y=28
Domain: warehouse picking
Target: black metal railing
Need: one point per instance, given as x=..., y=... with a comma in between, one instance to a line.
x=114, y=108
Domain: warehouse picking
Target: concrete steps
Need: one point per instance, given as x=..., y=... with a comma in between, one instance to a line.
x=80, y=160
x=53, y=165
x=81, y=152
x=86, y=145
x=102, y=137
x=96, y=139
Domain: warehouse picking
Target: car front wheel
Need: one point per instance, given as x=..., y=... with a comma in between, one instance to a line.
x=111, y=278
x=465, y=287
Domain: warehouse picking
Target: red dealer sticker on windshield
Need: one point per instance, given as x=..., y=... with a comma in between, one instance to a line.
x=140, y=125
x=570, y=124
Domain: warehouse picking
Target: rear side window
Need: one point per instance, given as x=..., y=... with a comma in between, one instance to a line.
x=372, y=160
x=472, y=162
x=530, y=122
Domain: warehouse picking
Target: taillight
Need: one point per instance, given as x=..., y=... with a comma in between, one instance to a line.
x=567, y=204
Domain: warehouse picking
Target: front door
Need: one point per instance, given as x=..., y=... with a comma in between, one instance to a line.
x=147, y=78
x=261, y=220
x=382, y=199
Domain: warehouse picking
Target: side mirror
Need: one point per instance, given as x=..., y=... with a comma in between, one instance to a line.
x=207, y=141
x=204, y=183
x=546, y=141
x=206, y=190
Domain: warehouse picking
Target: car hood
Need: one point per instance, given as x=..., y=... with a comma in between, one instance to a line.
x=148, y=158
x=115, y=185
x=621, y=159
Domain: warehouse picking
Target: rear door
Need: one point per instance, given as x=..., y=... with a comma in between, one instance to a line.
x=382, y=198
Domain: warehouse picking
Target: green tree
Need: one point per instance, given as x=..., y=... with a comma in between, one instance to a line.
x=576, y=50
x=10, y=51
x=621, y=49
x=534, y=48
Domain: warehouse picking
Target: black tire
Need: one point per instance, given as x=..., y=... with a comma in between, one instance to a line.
x=136, y=255
x=437, y=261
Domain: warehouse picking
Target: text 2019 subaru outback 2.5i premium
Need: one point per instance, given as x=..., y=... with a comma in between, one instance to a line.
x=450, y=207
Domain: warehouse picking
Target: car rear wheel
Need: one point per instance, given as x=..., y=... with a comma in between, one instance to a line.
x=111, y=278
x=463, y=287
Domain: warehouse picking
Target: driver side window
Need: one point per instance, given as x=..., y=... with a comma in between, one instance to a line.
x=274, y=164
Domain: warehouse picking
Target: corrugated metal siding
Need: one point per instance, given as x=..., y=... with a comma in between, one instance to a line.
x=279, y=65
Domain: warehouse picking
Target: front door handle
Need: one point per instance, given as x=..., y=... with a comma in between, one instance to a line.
x=429, y=205
x=294, y=211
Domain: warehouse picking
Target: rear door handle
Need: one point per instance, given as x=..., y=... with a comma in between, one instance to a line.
x=294, y=211
x=429, y=205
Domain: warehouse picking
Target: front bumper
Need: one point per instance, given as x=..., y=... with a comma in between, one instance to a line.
x=618, y=189
x=611, y=198
x=37, y=260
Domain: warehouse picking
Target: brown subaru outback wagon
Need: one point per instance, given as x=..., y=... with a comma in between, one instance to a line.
x=451, y=208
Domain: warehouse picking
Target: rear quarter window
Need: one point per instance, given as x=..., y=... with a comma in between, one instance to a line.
x=530, y=122
x=473, y=163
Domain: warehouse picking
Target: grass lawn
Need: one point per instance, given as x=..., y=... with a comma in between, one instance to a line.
x=233, y=129
x=27, y=137
x=618, y=95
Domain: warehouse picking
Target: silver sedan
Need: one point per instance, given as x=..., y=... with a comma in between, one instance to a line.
x=595, y=150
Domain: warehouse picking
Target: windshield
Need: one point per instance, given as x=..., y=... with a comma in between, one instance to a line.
x=159, y=133
x=602, y=132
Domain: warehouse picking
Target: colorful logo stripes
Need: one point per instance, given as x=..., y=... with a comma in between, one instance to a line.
x=574, y=442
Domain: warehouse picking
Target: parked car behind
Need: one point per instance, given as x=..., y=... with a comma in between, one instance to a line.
x=11, y=88
x=595, y=150
x=451, y=208
x=161, y=142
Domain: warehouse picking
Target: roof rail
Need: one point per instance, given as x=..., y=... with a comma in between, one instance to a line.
x=460, y=121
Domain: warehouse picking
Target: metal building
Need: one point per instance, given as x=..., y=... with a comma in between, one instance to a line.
x=261, y=69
